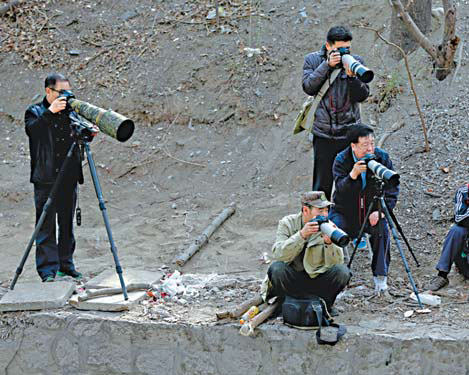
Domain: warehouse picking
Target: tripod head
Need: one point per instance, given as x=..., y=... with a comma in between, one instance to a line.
x=82, y=131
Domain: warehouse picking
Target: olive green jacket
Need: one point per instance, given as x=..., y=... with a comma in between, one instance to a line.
x=288, y=247
x=317, y=258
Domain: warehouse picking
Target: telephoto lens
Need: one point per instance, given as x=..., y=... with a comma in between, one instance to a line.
x=337, y=235
x=363, y=73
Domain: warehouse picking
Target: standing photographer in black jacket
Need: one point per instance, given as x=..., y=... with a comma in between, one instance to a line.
x=47, y=125
x=337, y=109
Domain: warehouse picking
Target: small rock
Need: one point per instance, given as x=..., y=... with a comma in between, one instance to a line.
x=436, y=214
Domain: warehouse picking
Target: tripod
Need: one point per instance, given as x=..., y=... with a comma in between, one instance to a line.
x=380, y=203
x=82, y=135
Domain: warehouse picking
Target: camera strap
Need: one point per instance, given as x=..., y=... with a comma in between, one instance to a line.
x=317, y=99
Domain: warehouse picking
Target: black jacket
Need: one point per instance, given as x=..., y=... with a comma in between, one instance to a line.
x=340, y=105
x=49, y=141
x=349, y=198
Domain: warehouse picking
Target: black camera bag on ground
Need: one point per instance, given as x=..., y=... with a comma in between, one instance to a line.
x=312, y=313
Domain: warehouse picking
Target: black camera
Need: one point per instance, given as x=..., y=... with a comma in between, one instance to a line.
x=363, y=73
x=380, y=170
x=338, y=236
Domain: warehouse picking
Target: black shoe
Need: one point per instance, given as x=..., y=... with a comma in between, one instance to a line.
x=73, y=273
x=48, y=279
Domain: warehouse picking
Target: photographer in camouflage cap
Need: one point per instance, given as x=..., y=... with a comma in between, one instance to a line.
x=307, y=263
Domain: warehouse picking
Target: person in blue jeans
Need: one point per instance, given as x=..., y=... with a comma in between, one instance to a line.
x=456, y=240
x=355, y=188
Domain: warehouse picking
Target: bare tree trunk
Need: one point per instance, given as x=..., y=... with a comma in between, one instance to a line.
x=421, y=13
x=443, y=54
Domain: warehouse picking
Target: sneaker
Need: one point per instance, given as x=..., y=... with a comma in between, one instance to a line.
x=73, y=273
x=48, y=279
x=381, y=283
x=437, y=283
x=361, y=245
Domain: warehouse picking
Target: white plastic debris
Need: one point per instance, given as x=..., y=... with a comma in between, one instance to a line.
x=427, y=299
x=408, y=314
x=252, y=51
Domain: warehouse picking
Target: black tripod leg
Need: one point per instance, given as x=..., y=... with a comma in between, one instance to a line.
x=401, y=252
x=360, y=234
x=45, y=209
x=99, y=194
x=399, y=229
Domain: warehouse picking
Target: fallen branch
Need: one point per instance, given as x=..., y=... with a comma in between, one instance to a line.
x=201, y=240
x=394, y=128
x=248, y=328
x=237, y=312
x=9, y=6
x=411, y=81
x=89, y=294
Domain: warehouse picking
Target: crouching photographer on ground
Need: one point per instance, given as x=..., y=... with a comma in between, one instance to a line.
x=456, y=245
x=307, y=263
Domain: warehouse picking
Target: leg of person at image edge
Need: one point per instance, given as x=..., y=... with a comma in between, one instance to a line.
x=298, y=284
x=452, y=247
x=380, y=246
x=54, y=259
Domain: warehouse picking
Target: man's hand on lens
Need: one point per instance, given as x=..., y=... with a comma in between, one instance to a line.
x=326, y=239
x=374, y=218
x=309, y=229
x=348, y=71
x=334, y=59
x=58, y=105
x=358, y=168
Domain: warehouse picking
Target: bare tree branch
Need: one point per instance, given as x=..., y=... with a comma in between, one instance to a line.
x=414, y=30
x=411, y=81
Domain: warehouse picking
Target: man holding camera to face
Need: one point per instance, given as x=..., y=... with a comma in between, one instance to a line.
x=307, y=263
x=355, y=189
x=338, y=108
x=47, y=125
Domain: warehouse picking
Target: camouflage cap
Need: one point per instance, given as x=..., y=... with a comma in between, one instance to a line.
x=315, y=199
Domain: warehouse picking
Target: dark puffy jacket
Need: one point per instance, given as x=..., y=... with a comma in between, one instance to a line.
x=349, y=199
x=339, y=107
x=49, y=141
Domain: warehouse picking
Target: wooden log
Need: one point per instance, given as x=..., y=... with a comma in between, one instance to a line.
x=241, y=309
x=248, y=328
x=201, y=240
x=5, y=8
x=89, y=294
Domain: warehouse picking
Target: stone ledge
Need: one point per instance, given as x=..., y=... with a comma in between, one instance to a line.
x=102, y=343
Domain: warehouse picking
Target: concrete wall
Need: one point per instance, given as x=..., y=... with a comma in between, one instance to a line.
x=70, y=343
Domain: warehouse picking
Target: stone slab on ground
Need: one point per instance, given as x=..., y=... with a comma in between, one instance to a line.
x=110, y=279
x=37, y=296
x=109, y=303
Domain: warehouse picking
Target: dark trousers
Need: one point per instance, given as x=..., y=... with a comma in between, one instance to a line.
x=452, y=247
x=53, y=255
x=325, y=151
x=379, y=240
x=298, y=284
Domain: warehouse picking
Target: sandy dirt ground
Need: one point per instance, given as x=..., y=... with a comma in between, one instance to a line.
x=214, y=126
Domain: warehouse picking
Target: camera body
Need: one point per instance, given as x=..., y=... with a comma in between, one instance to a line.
x=338, y=236
x=380, y=171
x=362, y=72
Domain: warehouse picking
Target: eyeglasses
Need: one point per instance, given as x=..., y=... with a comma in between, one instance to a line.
x=57, y=91
x=366, y=146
